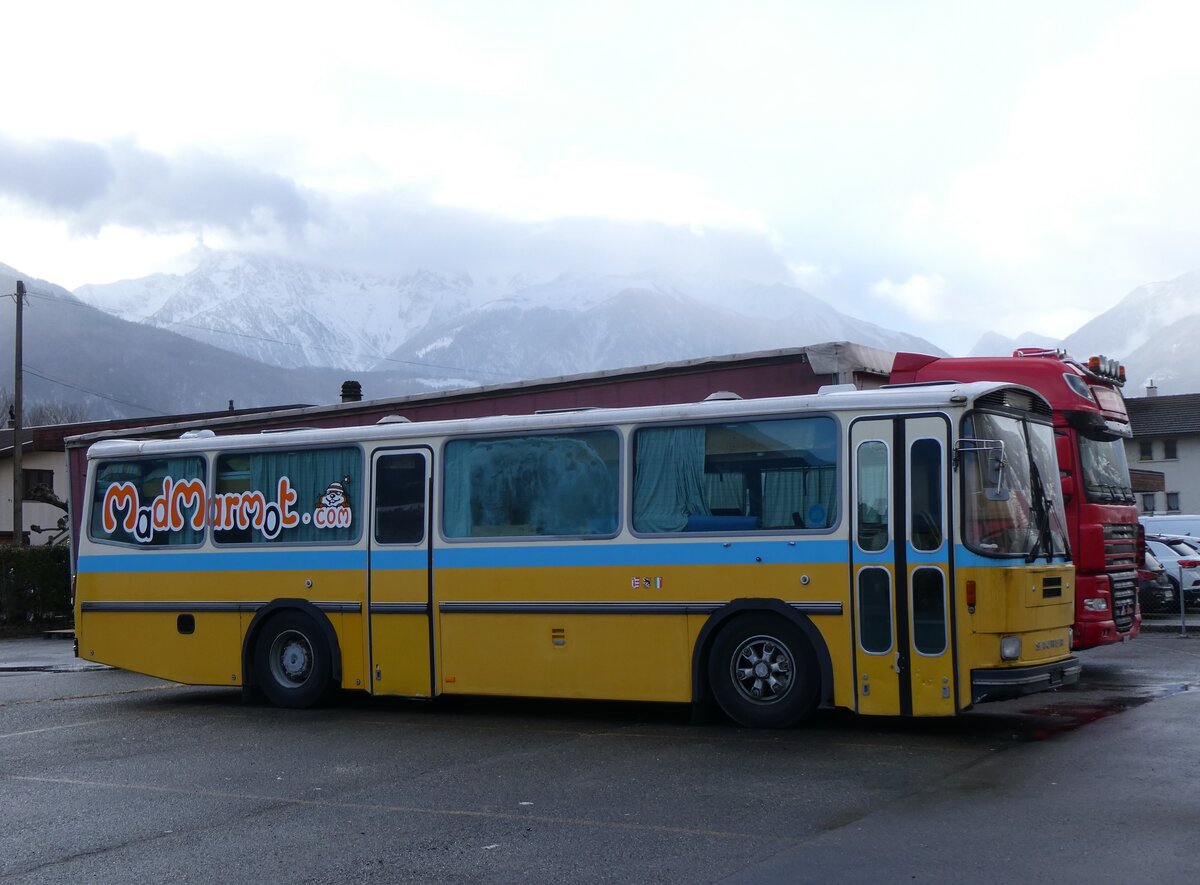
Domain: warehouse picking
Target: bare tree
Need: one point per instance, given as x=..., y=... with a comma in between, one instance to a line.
x=42, y=412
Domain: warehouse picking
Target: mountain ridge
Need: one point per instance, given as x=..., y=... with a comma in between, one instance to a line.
x=307, y=316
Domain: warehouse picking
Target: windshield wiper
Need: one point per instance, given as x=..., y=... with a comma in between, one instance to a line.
x=1043, y=505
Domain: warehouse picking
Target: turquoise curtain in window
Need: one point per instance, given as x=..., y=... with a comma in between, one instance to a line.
x=783, y=496
x=725, y=491
x=312, y=473
x=669, y=485
x=801, y=497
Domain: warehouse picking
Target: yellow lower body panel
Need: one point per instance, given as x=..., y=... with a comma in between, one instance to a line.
x=626, y=657
x=150, y=643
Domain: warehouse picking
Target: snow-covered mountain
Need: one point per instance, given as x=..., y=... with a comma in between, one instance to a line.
x=995, y=344
x=455, y=329
x=287, y=314
x=1154, y=331
x=635, y=322
x=100, y=366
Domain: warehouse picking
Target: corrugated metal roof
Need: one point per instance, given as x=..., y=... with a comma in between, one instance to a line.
x=1159, y=416
x=839, y=359
x=933, y=397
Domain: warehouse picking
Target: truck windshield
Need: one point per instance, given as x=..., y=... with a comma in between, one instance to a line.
x=1011, y=508
x=1105, y=471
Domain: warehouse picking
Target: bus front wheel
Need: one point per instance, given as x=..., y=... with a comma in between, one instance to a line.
x=292, y=661
x=763, y=672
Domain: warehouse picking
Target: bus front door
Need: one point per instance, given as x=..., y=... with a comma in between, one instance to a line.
x=900, y=566
x=400, y=586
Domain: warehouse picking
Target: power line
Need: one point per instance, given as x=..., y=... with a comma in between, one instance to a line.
x=279, y=341
x=59, y=381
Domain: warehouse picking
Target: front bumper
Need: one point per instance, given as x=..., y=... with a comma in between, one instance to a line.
x=1013, y=682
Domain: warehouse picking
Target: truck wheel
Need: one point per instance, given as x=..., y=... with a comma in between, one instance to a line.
x=763, y=672
x=292, y=661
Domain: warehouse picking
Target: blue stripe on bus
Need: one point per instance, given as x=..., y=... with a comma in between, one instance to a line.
x=239, y=561
x=396, y=560
x=964, y=558
x=523, y=556
x=642, y=555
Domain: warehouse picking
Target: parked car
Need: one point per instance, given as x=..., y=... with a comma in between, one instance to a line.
x=1182, y=562
x=1172, y=524
x=1156, y=593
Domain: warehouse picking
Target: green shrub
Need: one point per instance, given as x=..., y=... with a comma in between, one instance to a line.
x=35, y=584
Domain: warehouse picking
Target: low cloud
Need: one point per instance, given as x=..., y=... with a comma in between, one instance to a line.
x=401, y=230
x=91, y=186
x=920, y=296
x=98, y=190
x=57, y=174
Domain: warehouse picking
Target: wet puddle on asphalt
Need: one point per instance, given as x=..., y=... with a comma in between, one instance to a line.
x=1040, y=723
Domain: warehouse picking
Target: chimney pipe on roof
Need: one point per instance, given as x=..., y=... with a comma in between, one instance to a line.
x=351, y=392
x=1151, y=390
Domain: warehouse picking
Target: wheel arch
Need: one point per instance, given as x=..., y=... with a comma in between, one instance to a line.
x=274, y=607
x=702, y=691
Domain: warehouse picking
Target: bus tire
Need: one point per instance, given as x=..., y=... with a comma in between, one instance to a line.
x=763, y=671
x=293, y=665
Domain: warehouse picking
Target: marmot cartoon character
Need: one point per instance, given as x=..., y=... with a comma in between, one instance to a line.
x=334, y=496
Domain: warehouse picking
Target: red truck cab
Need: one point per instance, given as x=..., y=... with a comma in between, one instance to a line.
x=1090, y=424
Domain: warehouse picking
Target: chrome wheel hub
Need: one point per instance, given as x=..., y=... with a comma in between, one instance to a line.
x=291, y=658
x=762, y=669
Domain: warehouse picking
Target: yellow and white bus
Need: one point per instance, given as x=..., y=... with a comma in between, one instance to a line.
x=893, y=552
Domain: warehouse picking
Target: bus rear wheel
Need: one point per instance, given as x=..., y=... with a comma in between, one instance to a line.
x=292, y=661
x=763, y=672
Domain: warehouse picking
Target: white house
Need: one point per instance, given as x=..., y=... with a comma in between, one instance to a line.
x=1166, y=438
x=41, y=464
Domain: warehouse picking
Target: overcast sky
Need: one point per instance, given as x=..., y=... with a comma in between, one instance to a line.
x=945, y=168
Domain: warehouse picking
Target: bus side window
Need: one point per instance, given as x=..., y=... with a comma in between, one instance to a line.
x=771, y=475
x=925, y=497
x=545, y=485
x=400, y=499
x=280, y=496
x=873, y=496
x=124, y=499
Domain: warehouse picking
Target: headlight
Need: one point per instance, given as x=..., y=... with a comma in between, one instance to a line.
x=1010, y=648
x=1095, y=604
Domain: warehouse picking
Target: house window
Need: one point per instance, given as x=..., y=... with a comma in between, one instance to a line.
x=1170, y=449
x=1148, y=502
x=1172, y=502
x=1145, y=450
x=34, y=478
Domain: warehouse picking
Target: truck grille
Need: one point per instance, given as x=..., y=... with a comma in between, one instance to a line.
x=1124, y=599
x=1120, y=547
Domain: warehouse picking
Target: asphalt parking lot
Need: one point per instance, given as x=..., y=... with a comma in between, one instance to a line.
x=106, y=776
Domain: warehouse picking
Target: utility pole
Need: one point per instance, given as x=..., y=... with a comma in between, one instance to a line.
x=18, y=475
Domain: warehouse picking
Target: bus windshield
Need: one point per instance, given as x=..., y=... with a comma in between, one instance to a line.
x=1105, y=471
x=1010, y=481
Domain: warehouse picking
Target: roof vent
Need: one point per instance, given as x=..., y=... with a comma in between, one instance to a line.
x=204, y=433
x=721, y=395
x=394, y=419
x=351, y=392
x=835, y=388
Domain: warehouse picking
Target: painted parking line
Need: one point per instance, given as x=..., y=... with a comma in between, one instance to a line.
x=16, y=734
x=392, y=809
